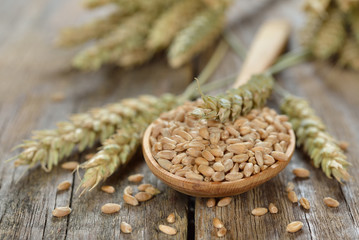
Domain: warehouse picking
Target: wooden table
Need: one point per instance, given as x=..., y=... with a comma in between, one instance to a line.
x=32, y=69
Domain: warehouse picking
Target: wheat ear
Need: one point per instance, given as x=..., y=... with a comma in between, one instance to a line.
x=48, y=147
x=198, y=35
x=126, y=37
x=171, y=22
x=96, y=29
x=322, y=148
x=118, y=149
x=330, y=36
x=238, y=101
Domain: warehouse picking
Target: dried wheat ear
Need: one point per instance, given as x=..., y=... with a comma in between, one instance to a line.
x=208, y=150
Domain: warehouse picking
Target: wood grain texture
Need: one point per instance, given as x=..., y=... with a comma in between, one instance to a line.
x=32, y=70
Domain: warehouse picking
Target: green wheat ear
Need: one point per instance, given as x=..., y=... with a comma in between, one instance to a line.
x=201, y=32
x=330, y=36
x=311, y=134
x=238, y=101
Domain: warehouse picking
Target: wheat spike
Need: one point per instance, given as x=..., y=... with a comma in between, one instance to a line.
x=48, y=147
x=171, y=21
x=322, y=148
x=330, y=37
x=308, y=33
x=96, y=29
x=118, y=150
x=200, y=33
x=237, y=102
x=128, y=36
x=349, y=55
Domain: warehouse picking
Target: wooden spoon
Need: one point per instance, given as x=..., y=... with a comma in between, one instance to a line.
x=268, y=44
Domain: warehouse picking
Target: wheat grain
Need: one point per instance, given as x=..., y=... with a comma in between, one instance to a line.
x=322, y=148
x=61, y=211
x=65, y=185
x=125, y=227
x=294, y=226
x=171, y=218
x=109, y=208
x=331, y=202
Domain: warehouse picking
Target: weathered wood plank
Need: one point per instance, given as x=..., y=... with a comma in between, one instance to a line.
x=32, y=70
x=335, y=101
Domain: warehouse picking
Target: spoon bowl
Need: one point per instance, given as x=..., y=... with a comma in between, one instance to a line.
x=212, y=189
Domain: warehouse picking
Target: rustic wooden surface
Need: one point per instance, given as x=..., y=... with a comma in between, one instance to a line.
x=32, y=70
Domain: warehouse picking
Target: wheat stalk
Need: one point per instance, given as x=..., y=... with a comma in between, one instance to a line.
x=198, y=35
x=238, y=101
x=322, y=148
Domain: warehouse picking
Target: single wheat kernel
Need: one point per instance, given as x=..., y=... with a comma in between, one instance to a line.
x=224, y=202
x=279, y=156
x=272, y=208
x=331, y=202
x=152, y=190
x=217, y=223
x=193, y=176
x=64, y=186
x=206, y=170
x=290, y=187
x=164, y=163
x=304, y=203
x=167, y=229
x=130, y=199
x=109, y=208
x=211, y=202
x=292, y=196
x=171, y=218
x=135, y=178
x=221, y=232
x=248, y=169
x=259, y=211
x=61, y=211
x=72, y=165
x=108, y=189
x=125, y=227
x=301, y=172
x=143, y=186
x=128, y=190
x=234, y=176
x=143, y=196
x=218, y=167
x=343, y=145
x=294, y=226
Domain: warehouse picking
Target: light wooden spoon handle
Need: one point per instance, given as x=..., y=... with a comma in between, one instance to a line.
x=267, y=46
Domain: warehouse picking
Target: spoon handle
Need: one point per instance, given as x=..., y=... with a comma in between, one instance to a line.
x=266, y=47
